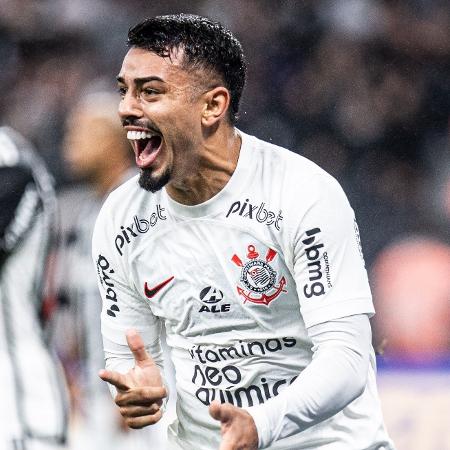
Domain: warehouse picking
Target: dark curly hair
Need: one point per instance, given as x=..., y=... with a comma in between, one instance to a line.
x=206, y=44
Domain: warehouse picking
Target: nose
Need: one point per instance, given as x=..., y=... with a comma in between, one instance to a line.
x=130, y=106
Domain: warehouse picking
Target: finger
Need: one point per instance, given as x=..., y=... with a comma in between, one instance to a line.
x=115, y=378
x=141, y=422
x=223, y=412
x=141, y=396
x=139, y=411
x=137, y=346
x=214, y=410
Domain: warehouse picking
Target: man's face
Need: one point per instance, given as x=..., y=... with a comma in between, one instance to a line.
x=161, y=110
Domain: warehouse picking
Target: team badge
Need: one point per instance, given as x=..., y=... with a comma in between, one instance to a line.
x=258, y=277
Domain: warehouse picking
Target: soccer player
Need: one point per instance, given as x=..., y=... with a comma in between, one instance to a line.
x=33, y=409
x=248, y=254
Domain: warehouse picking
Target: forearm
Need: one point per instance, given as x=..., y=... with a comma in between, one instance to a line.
x=335, y=377
x=119, y=358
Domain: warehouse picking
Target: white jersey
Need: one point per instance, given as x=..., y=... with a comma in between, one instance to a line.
x=237, y=281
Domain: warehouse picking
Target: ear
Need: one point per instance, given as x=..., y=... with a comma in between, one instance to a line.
x=216, y=105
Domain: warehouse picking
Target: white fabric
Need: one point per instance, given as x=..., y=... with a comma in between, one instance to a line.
x=243, y=275
x=336, y=376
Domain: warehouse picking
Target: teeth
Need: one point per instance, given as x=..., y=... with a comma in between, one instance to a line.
x=134, y=135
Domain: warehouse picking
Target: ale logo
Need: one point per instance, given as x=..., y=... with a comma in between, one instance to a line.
x=211, y=296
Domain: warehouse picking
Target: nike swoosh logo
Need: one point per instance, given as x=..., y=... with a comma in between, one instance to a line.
x=151, y=292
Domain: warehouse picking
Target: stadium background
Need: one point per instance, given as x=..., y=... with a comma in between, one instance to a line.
x=362, y=87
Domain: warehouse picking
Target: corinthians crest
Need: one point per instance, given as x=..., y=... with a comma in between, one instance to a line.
x=258, y=277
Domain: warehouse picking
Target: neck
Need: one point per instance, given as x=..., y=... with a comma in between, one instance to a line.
x=216, y=164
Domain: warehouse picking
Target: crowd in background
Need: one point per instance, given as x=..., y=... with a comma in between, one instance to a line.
x=362, y=87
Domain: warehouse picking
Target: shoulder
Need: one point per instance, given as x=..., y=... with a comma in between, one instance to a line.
x=20, y=160
x=10, y=144
x=27, y=195
x=16, y=169
x=296, y=176
x=117, y=205
x=122, y=207
x=126, y=190
x=122, y=197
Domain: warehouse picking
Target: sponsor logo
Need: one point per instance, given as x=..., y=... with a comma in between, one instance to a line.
x=151, y=292
x=223, y=383
x=104, y=271
x=314, y=255
x=137, y=227
x=211, y=296
x=256, y=212
x=258, y=277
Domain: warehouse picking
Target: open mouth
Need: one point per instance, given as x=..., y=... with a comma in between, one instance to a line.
x=146, y=146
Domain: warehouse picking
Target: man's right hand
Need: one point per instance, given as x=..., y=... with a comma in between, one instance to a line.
x=140, y=391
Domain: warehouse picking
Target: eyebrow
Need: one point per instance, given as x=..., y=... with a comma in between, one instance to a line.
x=140, y=80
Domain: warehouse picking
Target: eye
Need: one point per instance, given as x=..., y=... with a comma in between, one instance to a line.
x=122, y=91
x=149, y=92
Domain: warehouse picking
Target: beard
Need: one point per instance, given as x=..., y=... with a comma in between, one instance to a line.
x=150, y=183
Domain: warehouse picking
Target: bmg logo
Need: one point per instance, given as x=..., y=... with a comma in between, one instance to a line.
x=314, y=254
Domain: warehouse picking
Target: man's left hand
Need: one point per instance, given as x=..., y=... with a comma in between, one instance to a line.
x=237, y=427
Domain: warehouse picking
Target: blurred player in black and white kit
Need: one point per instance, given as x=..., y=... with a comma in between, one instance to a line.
x=33, y=409
x=247, y=253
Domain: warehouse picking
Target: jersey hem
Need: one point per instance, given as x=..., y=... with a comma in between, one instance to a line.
x=337, y=310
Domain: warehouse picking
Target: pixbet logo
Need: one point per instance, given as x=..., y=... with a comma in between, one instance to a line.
x=313, y=253
x=140, y=226
x=257, y=212
x=210, y=296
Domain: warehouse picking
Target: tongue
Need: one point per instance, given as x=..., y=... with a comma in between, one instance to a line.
x=147, y=155
x=152, y=144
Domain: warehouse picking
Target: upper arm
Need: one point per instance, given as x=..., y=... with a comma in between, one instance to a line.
x=122, y=306
x=328, y=264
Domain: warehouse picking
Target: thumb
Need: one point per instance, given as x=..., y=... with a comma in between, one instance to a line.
x=137, y=346
x=222, y=412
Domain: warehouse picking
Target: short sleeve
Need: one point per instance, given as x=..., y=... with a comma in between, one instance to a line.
x=122, y=307
x=329, y=266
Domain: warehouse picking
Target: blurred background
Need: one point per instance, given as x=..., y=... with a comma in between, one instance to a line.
x=362, y=87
